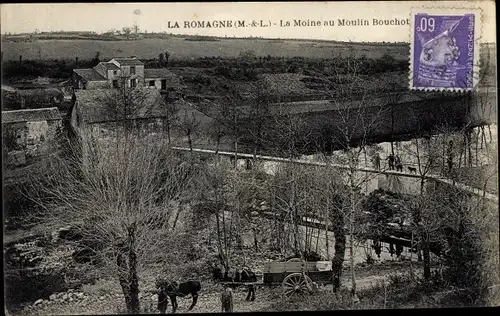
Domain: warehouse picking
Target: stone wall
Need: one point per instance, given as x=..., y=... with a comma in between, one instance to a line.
x=98, y=85
x=33, y=139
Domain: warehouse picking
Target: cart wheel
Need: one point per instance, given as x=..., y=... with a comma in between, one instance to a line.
x=295, y=260
x=295, y=284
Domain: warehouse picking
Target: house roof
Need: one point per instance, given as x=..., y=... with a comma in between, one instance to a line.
x=158, y=73
x=104, y=105
x=31, y=115
x=89, y=74
x=128, y=61
x=110, y=66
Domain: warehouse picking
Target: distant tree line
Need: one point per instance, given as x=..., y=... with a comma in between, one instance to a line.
x=244, y=68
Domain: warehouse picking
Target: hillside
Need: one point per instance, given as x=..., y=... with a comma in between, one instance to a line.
x=183, y=48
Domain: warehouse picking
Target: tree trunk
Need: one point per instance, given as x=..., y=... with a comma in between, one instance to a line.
x=235, y=153
x=306, y=239
x=190, y=142
x=122, y=267
x=419, y=252
x=338, y=260
x=255, y=240
x=217, y=148
x=326, y=229
x=127, y=274
x=443, y=160
x=317, y=239
x=133, y=279
x=469, y=146
x=476, y=149
x=168, y=132
x=177, y=216
x=340, y=244
x=351, y=244
x=422, y=186
x=134, y=283
x=295, y=231
x=219, y=240
x=483, y=139
x=460, y=157
x=427, y=259
x=411, y=257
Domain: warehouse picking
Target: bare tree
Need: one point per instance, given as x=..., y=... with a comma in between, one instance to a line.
x=218, y=127
x=169, y=121
x=119, y=201
x=356, y=118
x=189, y=125
x=258, y=119
x=290, y=201
x=125, y=105
x=233, y=118
x=217, y=191
x=290, y=131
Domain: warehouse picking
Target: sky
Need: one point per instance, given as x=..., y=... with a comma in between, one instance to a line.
x=101, y=17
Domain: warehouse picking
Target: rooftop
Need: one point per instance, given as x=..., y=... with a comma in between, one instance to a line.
x=102, y=105
x=127, y=61
x=31, y=115
x=158, y=73
x=89, y=74
x=109, y=66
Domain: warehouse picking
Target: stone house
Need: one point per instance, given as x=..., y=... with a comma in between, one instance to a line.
x=102, y=113
x=128, y=72
x=29, y=133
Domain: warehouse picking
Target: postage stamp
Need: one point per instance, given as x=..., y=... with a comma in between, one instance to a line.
x=444, y=49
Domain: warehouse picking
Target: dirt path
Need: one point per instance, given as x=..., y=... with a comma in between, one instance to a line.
x=209, y=300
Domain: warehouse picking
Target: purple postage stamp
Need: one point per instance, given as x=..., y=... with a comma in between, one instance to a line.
x=444, y=49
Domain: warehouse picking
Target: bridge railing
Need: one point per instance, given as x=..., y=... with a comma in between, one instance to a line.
x=481, y=193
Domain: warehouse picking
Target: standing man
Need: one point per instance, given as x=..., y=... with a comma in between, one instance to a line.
x=161, y=290
x=227, y=300
x=391, y=161
x=377, y=161
x=399, y=164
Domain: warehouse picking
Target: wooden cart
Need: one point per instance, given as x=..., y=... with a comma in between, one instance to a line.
x=297, y=276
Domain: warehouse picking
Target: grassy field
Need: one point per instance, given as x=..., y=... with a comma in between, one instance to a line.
x=182, y=48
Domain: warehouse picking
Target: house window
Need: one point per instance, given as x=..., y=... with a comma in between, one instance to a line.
x=132, y=70
x=133, y=83
x=115, y=84
x=115, y=72
x=151, y=83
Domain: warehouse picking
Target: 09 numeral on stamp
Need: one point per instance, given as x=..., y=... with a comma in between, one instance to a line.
x=426, y=24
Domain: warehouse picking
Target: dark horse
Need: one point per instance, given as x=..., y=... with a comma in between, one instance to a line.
x=174, y=290
x=240, y=276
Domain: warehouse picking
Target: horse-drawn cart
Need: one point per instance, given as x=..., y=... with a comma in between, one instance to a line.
x=297, y=276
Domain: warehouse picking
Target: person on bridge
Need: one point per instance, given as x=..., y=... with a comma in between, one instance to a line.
x=391, y=249
x=377, y=245
x=377, y=161
x=399, y=164
x=391, y=161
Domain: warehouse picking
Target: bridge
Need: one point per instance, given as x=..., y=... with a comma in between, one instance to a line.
x=436, y=178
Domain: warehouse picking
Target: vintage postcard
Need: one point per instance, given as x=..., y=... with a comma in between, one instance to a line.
x=249, y=157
